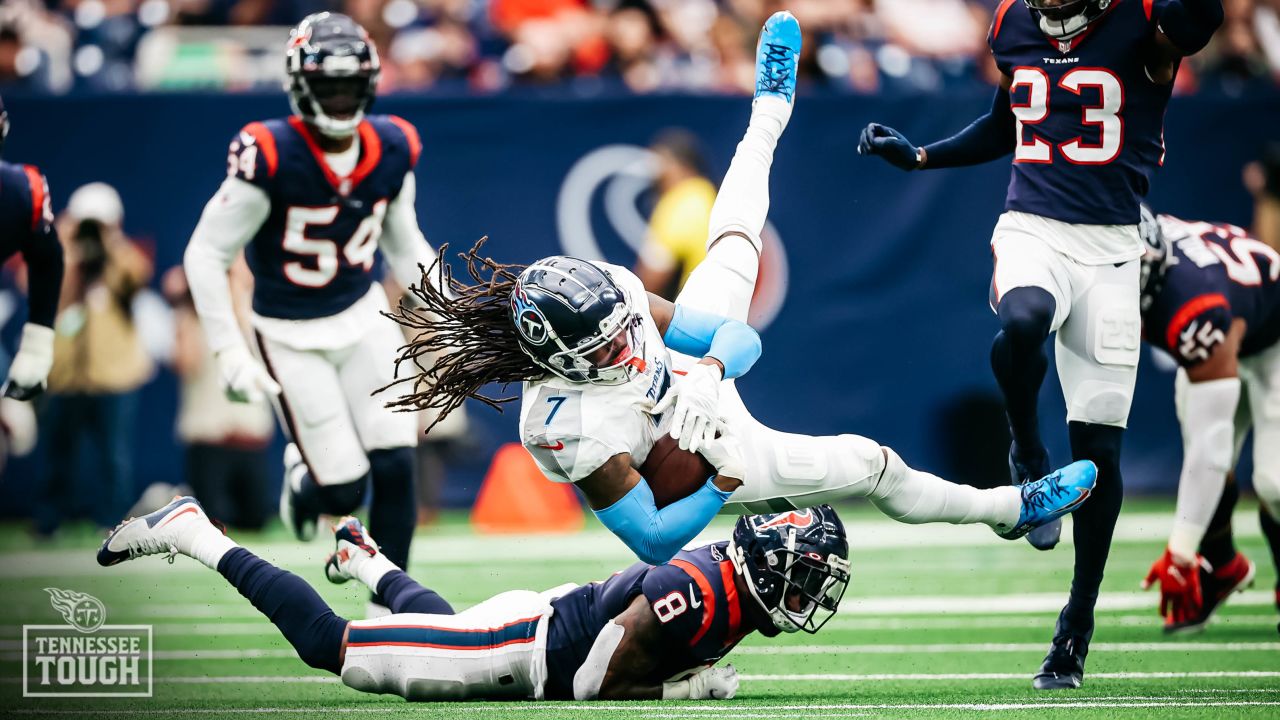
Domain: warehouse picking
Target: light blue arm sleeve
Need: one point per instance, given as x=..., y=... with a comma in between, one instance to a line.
x=698, y=333
x=654, y=535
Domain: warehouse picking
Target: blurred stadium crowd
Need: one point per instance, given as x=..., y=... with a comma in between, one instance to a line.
x=588, y=47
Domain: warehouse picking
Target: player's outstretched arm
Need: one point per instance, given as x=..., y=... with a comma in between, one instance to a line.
x=1208, y=393
x=626, y=658
x=989, y=137
x=728, y=349
x=43, y=255
x=228, y=223
x=624, y=503
x=1188, y=25
x=409, y=255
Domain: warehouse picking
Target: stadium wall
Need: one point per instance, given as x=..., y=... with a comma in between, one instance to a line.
x=883, y=328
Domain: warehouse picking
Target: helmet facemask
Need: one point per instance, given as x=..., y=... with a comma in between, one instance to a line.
x=1065, y=19
x=798, y=589
x=1156, y=257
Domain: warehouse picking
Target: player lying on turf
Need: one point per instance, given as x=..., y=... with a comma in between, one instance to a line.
x=1211, y=299
x=645, y=633
x=597, y=355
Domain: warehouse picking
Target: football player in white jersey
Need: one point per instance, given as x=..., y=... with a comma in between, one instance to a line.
x=596, y=355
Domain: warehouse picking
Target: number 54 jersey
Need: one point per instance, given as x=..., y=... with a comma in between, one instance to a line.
x=1217, y=274
x=1090, y=121
x=315, y=254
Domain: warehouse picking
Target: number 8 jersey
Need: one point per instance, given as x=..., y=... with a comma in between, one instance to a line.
x=1090, y=121
x=314, y=255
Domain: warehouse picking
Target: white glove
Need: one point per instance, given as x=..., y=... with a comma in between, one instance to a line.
x=714, y=683
x=696, y=397
x=30, y=368
x=244, y=378
x=725, y=454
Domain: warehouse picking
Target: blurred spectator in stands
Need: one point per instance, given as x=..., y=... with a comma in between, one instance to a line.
x=226, y=442
x=632, y=32
x=35, y=47
x=98, y=361
x=1262, y=179
x=676, y=240
x=1235, y=62
x=1266, y=27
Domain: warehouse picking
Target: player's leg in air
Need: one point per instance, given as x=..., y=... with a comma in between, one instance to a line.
x=788, y=470
x=423, y=651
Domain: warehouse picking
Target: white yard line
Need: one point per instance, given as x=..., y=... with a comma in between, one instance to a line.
x=689, y=710
x=939, y=648
x=462, y=549
x=789, y=678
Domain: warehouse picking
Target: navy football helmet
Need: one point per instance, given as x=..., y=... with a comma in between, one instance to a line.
x=1156, y=257
x=574, y=320
x=1065, y=19
x=795, y=564
x=332, y=69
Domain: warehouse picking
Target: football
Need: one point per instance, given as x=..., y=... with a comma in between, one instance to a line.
x=673, y=473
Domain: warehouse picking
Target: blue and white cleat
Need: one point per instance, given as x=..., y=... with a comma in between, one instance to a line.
x=353, y=545
x=1053, y=496
x=1046, y=536
x=777, y=57
x=169, y=530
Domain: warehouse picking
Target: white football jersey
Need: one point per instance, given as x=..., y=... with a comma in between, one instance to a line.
x=571, y=429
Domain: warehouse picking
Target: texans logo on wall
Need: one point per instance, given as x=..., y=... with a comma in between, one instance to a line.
x=599, y=217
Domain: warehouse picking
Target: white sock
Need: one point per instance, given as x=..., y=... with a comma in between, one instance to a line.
x=209, y=545
x=911, y=496
x=723, y=283
x=771, y=108
x=371, y=570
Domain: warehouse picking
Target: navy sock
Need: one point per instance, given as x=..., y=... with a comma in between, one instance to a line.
x=1019, y=362
x=393, y=511
x=1271, y=531
x=1218, y=545
x=403, y=594
x=1095, y=521
x=302, y=616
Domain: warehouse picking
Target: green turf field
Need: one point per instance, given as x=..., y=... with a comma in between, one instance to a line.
x=939, y=622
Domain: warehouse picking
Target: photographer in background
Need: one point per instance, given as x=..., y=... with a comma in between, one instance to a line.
x=1262, y=180
x=225, y=442
x=99, y=362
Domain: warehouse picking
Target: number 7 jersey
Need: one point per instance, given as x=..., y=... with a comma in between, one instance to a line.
x=1090, y=121
x=315, y=254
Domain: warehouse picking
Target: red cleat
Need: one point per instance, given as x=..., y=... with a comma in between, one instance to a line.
x=1216, y=586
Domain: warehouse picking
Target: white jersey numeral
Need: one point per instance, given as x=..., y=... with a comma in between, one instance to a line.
x=1105, y=116
x=1033, y=112
x=358, y=251
x=1241, y=264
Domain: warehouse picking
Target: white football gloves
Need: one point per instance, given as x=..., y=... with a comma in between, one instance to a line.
x=725, y=454
x=243, y=377
x=30, y=368
x=696, y=416
x=714, y=683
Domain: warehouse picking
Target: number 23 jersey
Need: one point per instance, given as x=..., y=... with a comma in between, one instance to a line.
x=1090, y=121
x=315, y=254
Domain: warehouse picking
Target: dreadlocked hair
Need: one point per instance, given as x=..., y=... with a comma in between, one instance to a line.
x=462, y=341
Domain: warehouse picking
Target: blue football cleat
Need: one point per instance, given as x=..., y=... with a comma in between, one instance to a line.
x=777, y=56
x=1053, y=496
x=1046, y=536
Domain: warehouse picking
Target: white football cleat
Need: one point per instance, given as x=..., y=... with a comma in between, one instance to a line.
x=169, y=530
x=353, y=546
x=302, y=524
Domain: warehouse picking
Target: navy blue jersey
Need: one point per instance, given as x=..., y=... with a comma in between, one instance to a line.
x=315, y=254
x=693, y=596
x=1090, y=122
x=26, y=226
x=24, y=207
x=1218, y=274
